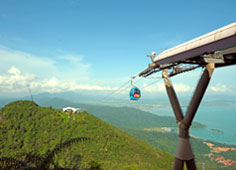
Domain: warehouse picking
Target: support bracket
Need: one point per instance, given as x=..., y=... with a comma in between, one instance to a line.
x=184, y=152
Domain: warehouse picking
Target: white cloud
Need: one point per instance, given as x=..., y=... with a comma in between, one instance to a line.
x=42, y=74
x=65, y=67
x=160, y=87
x=55, y=85
x=14, y=70
x=219, y=88
x=15, y=81
x=157, y=87
x=24, y=61
x=182, y=88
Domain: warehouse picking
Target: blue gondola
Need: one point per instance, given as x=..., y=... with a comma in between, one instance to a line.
x=135, y=93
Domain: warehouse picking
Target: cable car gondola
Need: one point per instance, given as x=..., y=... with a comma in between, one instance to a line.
x=135, y=93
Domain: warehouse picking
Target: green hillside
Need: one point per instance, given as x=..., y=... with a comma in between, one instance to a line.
x=49, y=139
x=127, y=117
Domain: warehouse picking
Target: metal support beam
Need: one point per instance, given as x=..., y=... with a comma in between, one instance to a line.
x=184, y=151
x=198, y=94
x=173, y=98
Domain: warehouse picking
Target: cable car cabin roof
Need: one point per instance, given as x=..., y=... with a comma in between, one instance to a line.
x=190, y=52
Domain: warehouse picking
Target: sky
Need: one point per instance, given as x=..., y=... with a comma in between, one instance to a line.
x=96, y=45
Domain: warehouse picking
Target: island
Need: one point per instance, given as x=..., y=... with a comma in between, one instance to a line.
x=216, y=130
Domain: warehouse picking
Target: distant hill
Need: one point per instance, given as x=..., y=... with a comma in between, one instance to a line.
x=127, y=117
x=32, y=135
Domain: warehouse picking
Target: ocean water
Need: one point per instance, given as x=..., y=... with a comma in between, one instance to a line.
x=215, y=116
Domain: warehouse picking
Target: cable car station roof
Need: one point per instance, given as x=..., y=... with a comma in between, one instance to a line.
x=218, y=46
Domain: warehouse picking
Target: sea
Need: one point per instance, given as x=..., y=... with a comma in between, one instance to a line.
x=220, y=120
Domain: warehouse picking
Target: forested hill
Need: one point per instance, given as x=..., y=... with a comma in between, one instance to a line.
x=42, y=137
x=125, y=117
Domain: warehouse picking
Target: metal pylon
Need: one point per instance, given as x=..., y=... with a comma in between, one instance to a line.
x=184, y=151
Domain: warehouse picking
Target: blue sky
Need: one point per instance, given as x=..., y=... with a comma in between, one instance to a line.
x=62, y=45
